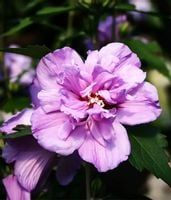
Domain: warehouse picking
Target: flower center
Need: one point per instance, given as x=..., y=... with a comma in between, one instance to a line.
x=95, y=99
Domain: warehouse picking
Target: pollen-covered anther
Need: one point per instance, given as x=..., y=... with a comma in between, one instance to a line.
x=95, y=99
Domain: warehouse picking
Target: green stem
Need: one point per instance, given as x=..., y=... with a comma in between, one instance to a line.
x=70, y=20
x=4, y=6
x=87, y=175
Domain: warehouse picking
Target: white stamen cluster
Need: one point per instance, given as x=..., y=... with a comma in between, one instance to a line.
x=95, y=99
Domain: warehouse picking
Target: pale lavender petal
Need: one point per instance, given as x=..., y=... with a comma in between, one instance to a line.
x=142, y=106
x=110, y=156
x=91, y=61
x=67, y=168
x=55, y=132
x=120, y=51
x=49, y=100
x=14, y=190
x=31, y=160
x=21, y=118
x=53, y=64
x=130, y=75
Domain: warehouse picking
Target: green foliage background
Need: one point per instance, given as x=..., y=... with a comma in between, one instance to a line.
x=41, y=26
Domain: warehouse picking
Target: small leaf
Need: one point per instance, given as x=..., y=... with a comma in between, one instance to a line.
x=54, y=10
x=148, y=153
x=35, y=51
x=125, y=7
x=21, y=25
x=151, y=54
x=21, y=131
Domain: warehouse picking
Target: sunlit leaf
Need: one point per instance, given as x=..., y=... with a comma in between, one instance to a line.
x=148, y=153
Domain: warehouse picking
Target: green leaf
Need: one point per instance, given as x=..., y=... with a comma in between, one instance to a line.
x=54, y=10
x=125, y=7
x=148, y=153
x=151, y=54
x=21, y=25
x=35, y=51
x=16, y=104
x=21, y=131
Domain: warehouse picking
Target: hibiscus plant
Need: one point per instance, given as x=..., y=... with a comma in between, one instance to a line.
x=82, y=115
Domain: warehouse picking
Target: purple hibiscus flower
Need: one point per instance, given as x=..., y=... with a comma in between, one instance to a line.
x=108, y=30
x=19, y=67
x=32, y=163
x=110, y=24
x=82, y=105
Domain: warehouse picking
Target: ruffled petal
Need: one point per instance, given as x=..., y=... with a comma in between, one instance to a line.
x=101, y=77
x=52, y=65
x=102, y=131
x=114, y=51
x=142, y=106
x=31, y=160
x=106, y=157
x=67, y=168
x=72, y=80
x=72, y=105
x=14, y=190
x=55, y=132
x=110, y=57
x=130, y=75
x=21, y=118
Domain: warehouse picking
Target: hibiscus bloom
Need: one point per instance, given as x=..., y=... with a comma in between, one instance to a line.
x=108, y=30
x=110, y=26
x=19, y=67
x=32, y=163
x=81, y=106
